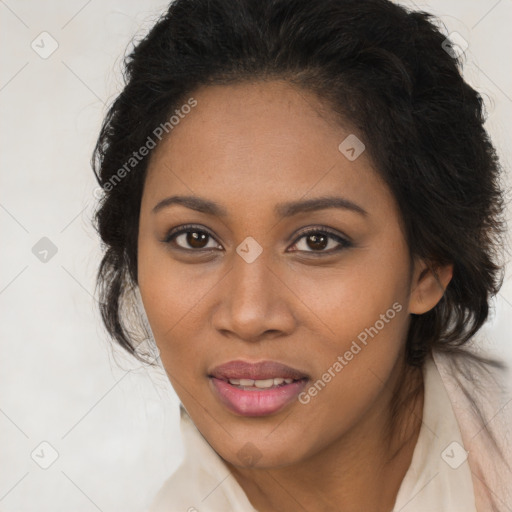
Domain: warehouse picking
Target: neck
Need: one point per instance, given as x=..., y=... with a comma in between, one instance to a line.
x=362, y=470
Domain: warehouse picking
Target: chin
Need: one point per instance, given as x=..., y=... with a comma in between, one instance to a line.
x=254, y=453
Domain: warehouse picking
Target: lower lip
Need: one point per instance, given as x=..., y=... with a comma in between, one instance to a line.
x=258, y=402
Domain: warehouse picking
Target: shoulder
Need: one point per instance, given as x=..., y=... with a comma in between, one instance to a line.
x=202, y=482
x=179, y=492
x=479, y=382
x=480, y=391
x=194, y=478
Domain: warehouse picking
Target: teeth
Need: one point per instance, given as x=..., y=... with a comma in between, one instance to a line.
x=262, y=384
x=267, y=383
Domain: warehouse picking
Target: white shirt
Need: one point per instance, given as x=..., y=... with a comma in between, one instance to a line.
x=455, y=466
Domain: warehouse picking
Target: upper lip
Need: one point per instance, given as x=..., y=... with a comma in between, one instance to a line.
x=257, y=371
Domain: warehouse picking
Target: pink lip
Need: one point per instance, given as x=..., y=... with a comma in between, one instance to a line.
x=258, y=371
x=256, y=402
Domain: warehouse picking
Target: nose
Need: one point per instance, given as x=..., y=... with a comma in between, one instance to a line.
x=254, y=302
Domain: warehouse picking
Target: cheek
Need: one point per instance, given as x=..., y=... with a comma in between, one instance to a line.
x=356, y=360
x=362, y=330
x=369, y=286
x=362, y=306
x=174, y=295
x=365, y=307
x=162, y=289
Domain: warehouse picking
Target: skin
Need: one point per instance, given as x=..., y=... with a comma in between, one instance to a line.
x=249, y=146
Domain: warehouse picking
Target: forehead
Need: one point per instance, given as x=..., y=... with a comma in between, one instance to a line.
x=254, y=143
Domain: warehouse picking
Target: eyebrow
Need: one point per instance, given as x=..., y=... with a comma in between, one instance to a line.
x=287, y=209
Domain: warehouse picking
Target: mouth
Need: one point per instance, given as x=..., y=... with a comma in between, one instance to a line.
x=256, y=389
x=255, y=385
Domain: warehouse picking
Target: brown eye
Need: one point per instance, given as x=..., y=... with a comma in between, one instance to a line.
x=191, y=238
x=196, y=239
x=321, y=242
x=317, y=242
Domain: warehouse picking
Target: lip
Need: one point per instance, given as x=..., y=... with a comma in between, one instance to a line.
x=257, y=371
x=252, y=401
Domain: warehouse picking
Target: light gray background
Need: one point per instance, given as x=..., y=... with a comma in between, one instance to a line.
x=113, y=422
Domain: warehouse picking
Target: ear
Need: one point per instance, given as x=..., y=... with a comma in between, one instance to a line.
x=428, y=286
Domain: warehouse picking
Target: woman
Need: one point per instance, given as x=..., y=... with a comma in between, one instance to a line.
x=303, y=202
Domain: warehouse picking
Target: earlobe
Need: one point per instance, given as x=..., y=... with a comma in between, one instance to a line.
x=428, y=286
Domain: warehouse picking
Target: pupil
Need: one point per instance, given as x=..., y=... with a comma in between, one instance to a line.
x=318, y=242
x=196, y=239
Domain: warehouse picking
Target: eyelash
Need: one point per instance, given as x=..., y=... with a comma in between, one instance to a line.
x=344, y=243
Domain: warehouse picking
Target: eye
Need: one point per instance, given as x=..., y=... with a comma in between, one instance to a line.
x=190, y=238
x=314, y=240
x=321, y=241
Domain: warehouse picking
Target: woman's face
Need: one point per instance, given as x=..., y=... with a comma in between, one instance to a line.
x=256, y=166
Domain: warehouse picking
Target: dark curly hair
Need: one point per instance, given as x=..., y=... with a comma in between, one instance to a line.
x=387, y=71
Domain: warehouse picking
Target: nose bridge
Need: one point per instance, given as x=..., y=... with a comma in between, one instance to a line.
x=252, y=302
x=250, y=280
